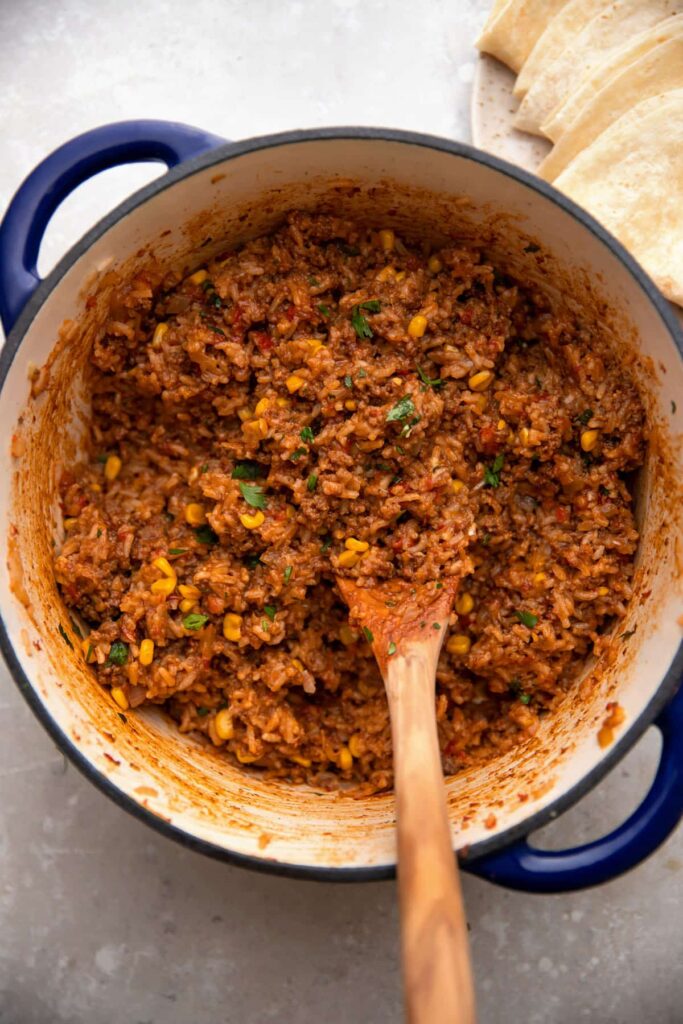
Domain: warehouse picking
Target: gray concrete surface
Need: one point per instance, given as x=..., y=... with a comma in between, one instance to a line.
x=103, y=921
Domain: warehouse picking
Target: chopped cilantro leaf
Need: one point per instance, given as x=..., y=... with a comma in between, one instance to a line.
x=429, y=382
x=313, y=282
x=118, y=653
x=325, y=310
x=436, y=625
x=525, y=698
x=326, y=544
x=312, y=482
x=585, y=416
x=247, y=470
x=205, y=535
x=307, y=435
x=254, y=495
x=271, y=611
x=102, y=457
x=486, y=539
x=177, y=551
x=252, y=561
x=265, y=625
x=391, y=648
x=65, y=636
x=527, y=619
x=74, y=626
x=348, y=381
x=362, y=372
x=297, y=453
x=367, y=633
x=407, y=427
x=349, y=250
x=404, y=408
x=288, y=573
x=195, y=620
x=492, y=472
x=202, y=712
x=360, y=323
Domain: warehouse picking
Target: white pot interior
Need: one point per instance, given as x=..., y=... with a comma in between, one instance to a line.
x=421, y=191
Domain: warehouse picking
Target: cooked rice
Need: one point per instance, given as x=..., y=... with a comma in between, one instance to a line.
x=385, y=441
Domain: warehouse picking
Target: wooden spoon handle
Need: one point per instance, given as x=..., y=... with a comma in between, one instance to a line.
x=436, y=962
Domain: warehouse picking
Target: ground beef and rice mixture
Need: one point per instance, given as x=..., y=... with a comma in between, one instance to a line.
x=331, y=400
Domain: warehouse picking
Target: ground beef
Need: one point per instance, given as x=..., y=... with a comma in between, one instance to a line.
x=325, y=400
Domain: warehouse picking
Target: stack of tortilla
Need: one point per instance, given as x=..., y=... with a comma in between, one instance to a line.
x=604, y=82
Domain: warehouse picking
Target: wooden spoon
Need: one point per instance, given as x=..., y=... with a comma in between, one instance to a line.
x=406, y=627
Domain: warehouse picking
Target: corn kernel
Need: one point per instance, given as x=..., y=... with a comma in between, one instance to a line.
x=314, y=345
x=223, y=725
x=252, y=522
x=401, y=274
x=187, y=604
x=160, y=331
x=346, y=635
x=345, y=759
x=119, y=696
x=261, y=406
x=387, y=239
x=480, y=402
x=199, y=276
x=347, y=559
x=245, y=414
x=163, y=565
x=417, y=326
x=589, y=439
x=303, y=761
x=480, y=381
x=96, y=488
x=112, y=468
x=164, y=586
x=350, y=405
x=188, y=591
x=356, y=745
x=298, y=664
x=539, y=577
x=435, y=264
x=356, y=545
x=385, y=274
x=232, y=626
x=524, y=436
x=146, y=652
x=194, y=514
x=456, y=486
x=501, y=425
x=294, y=383
x=464, y=604
x=458, y=644
x=255, y=430
x=603, y=591
x=70, y=522
x=283, y=403
x=133, y=672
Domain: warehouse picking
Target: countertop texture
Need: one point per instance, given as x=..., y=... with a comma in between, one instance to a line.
x=103, y=921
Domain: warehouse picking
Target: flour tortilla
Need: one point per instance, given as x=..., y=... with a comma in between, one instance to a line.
x=596, y=42
x=629, y=53
x=631, y=179
x=513, y=28
x=560, y=31
x=659, y=71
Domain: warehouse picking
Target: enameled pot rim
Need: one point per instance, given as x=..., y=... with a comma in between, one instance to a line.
x=220, y=155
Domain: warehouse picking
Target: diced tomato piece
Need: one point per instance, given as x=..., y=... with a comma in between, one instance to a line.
x=263, y=340
x=561, y=514
x=489, y=441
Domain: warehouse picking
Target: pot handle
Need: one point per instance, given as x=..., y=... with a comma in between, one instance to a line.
x=520, y=866
x=29, y=212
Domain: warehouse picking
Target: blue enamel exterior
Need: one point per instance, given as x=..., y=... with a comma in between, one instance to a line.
x=517, y=866
x=520, y=866
x=29, y=213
